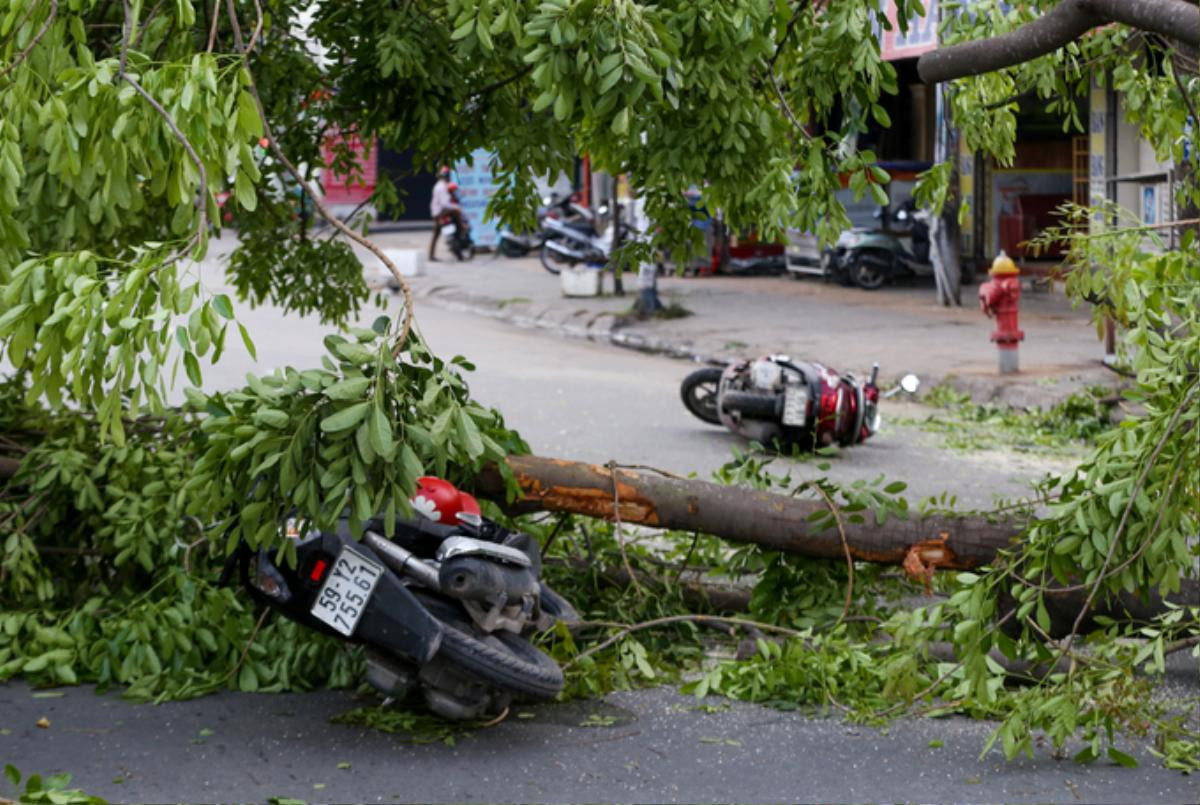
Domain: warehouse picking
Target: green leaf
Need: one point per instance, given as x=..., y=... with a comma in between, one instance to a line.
x=346, y=418
x=272, y=417
x=246, y=340
x=468, y=434
x=441, y=425
x=247, y=111
x=222, y=305
x=380, y=432
x=620, y=123
x=192, y=366
x=879, y=194
x=351, y=388
x=1122, y=759
x=243, y=191
x=10, y=772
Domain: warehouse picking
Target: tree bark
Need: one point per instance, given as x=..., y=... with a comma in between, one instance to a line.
x=776, y=522
x=1059, y=26
x=780, y=523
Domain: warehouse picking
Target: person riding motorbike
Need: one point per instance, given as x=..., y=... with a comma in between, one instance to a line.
x=443, y=207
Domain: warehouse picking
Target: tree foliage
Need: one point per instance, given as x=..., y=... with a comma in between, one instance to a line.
x=122, y=124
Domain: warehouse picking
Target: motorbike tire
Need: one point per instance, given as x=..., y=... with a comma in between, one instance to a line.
x=752, y=405
x=504, y=660
x=868, y=271
x=510, y=249
x=465, y=252
x=551, y=261
x=699, y=393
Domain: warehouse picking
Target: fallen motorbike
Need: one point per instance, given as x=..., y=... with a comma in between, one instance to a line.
x=445, y=607
x=870, y=257
x=775, y=399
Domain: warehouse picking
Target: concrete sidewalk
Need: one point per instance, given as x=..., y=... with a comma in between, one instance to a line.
x=899, y=326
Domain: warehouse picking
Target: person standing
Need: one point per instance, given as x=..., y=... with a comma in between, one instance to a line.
x=442, y=204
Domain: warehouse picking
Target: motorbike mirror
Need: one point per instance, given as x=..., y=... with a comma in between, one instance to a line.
x=910, y=383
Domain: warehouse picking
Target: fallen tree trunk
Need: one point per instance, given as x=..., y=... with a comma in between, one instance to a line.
x=780, y=523
x=776, y=522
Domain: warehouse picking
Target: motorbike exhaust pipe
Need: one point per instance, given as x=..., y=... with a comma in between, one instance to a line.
x=402, y=560
x=752, y=405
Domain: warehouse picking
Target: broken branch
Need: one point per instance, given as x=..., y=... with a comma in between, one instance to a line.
x=1061, y=25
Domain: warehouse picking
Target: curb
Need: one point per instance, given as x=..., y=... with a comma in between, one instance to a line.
x=1020, y=392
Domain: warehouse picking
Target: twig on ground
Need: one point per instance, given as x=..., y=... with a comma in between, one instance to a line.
x=494, y=721
x=683, y=566
x=837, y=517
x=249, y=642
x=612, y=468
x=627, y=630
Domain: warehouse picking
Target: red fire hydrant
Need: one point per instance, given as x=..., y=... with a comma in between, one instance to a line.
x=1000, y=298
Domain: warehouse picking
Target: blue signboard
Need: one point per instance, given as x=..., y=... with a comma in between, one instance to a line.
x=475, y=189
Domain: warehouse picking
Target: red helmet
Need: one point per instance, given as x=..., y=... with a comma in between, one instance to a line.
x=452, y=186
x=440, y=501
x=445, y=171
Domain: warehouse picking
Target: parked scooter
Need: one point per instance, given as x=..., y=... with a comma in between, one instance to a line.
x=571, y=243
x=445, y=608
x=565, y=208
x=775, y=399
x=458, y=238
x=870, y=257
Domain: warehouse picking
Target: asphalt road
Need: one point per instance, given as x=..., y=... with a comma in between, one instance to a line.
x=643, y=746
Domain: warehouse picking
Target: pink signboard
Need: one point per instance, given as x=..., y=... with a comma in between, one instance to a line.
x=920, y=37
x=353, y=189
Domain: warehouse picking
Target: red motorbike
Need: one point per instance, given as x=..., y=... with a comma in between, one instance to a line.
x=774, y=399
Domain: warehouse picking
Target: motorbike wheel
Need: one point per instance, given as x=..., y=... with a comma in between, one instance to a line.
x=465, y=252
x=699, y=393
x=551, y=261
x=869, y=270
x=504, y=660
x=510, y=249
x=501, y=659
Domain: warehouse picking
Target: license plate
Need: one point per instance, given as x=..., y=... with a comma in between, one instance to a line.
x=795, y=406
x=346, y=591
